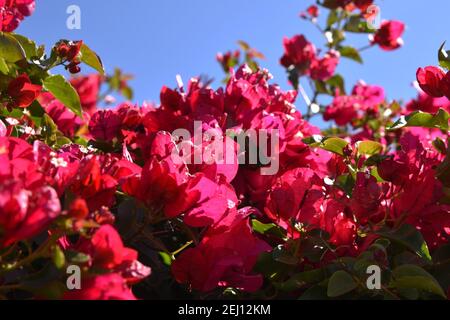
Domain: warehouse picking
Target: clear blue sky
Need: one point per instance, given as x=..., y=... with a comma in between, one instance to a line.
x=155, y=40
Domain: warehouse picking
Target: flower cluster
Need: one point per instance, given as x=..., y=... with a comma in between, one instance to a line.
x=12, y=12
x=301, y=54
x=224, y=192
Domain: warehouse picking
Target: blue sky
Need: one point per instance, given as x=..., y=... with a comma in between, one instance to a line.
x=156, y=40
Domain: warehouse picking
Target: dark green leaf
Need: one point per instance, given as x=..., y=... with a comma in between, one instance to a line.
x=64, y=92
x=351, y=53
x=335, y=145
x=336, y=82
x=321, y=87
x=29, y=46
x=282, y=255
x=423, y=119
x=357, y=24
x=90, y=58
x=10, y=48
x=409, y=237
x=3, y=66
x=315, y=293
x=127, y=92
x=444, y=57
x=369, y=148
x=59, y=258
x=340, y=283
x=77, y=257
x=268, y=229
x=332, y=18
x=301, y=280
x=414, y=277
x=314, y=140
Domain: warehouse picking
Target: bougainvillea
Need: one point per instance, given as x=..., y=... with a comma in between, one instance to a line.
x=227, y=192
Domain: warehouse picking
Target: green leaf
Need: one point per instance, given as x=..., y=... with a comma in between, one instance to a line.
x=321, y=87
x=36, y=113
x=332, y=18
x=3, y=66
x=351, y=53
x=335, y=145
x=77, y=257
x=314, y=140
x=332, y=144
x=280, y=254
x=439, y=145
x=300, y=280
x=369, y=148
x=336, y=82
x=90, y=58
x=268, y=229
x=127, y=92
x=346, y=183
x=59, y=258
x=409, y=237
x=10, y=48
x=414, y=277
x=357, y=24
x=315, y=293
x=271, y=269
x=423, y=119
x=444, y=57
x=375, y=159
x=166, y=258
x=64, y=92
x=29, y=46
x=340, y=283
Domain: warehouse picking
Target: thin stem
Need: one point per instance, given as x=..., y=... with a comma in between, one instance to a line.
x=187, y=244
x=369, y=46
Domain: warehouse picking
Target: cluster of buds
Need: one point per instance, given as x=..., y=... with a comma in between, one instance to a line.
x=69, y=52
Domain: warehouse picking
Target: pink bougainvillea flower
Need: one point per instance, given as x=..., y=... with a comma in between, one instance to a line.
x=366, y=199
x=346, y=108
x=111, y=286
x=299, y=52
x=24, y=213
x=427, y=103
x=430, y=79
x=388, y=37
x=204, y=201
x=22, y=91
x=88, y=88
x=12, y=12
x=445, y=85
x=93, y=185
x=224, y=258
x=27, y=204
x=371, y=96
x=312, y=12
x=294, y=195
x=342, y=110
x=78, y=209
x=104, y=125
x=324, y=68
x=3, y=129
